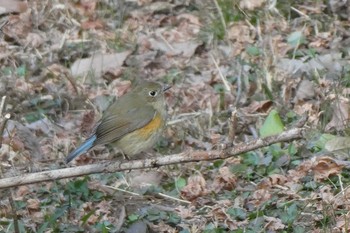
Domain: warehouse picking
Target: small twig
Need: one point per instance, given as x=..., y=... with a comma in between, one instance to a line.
x=185, y=157
x=4, y=118
x=121, y=219
x=299, y=12
x=239, y=87
x=122, y=190
x=166, y=42
x=253, y=131
x=173, y=198
x=222, y=19
x=301, y=122
x=3, y=25
x=184, y=116
x=2, y=105
x=232, y=125
x=3, y=126
x=14, y=214
x=223, y=78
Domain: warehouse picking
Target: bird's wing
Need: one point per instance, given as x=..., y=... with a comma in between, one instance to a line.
x=115, y=126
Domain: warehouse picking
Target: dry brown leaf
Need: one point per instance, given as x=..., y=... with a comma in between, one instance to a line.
x=340, y=115
x=342, y=223
x=322, y=40
x=12, y=6
x=22, y=191
x=240, y=33
x=37, y=216
x=273, y=224
x=224, y=180
x=274, y=179
x=23, y=140
x=259, y=197
x=189, y=25
x=141, y=179
x=219, y=213
x=33, y=204
x=251, y=4
x=162, y=227
x=151, y=8
x=215, y=138
x=301, y=171
x=98, y=63
x=185, y=212
x=185, y=48
x=322, y=196
x=86, y=7
x=258, y=106
x=19, y=26
x=104, y=207
x=92, y=24
x=196, y=187
x=309, y=107
x=339, y=146
x=324, y=167
x=33, y=40
x=305, y=91
x=332, y=62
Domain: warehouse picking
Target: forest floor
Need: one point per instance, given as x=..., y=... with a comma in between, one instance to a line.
x=239, y=70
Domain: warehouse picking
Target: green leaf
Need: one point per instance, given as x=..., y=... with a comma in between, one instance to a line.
x=292, y=150
x=87, y=216
x=59, y=212
x=296, y=38
x=273, y=125
x=133, y=217
x=251, y=159
x=289, y=214
x=21, y=71
x=253, y=51
x=237, y=213
x=321, y=142
x=180, y=183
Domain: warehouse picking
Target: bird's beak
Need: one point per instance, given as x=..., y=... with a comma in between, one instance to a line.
x=166, y=88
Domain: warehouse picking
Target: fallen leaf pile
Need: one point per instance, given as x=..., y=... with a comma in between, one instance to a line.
x=239, y=70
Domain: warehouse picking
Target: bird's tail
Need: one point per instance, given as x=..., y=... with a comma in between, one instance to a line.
x=88, y=144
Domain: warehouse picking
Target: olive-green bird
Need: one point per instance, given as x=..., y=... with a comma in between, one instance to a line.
x=133, y=123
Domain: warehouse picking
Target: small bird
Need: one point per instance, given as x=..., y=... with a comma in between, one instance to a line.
x=133, y=123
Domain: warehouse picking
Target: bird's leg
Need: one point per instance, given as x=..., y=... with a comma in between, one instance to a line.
x=125, y=156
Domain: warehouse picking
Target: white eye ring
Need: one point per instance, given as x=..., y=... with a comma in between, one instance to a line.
x=153, y=93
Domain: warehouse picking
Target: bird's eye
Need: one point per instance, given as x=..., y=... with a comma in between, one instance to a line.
x=152, y=93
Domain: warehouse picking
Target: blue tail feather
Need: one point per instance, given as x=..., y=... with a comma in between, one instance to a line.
x=87, y=145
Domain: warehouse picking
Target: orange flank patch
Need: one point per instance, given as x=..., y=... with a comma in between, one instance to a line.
x=151, y=127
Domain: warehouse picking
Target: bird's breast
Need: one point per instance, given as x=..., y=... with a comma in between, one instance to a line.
x=156, y=124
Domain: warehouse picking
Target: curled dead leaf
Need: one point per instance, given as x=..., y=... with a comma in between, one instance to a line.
x=273, y=224
x=98, y=63
x=12, y=6
x=305, y=91
x=341, y=115
x=324, y=167
x=224, y=180
x=241, y=33
x=33, y=204
x=301, y=171
x=258, y=106
x=259, y=197
x=184, y=212
x=195, y=188
x=21, y=139
x=274, y=179
x=251, y=4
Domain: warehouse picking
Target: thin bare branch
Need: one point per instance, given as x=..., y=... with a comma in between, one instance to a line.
x=185, y=157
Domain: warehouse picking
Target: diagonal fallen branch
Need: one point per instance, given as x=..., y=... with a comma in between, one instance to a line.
x=185, y=157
